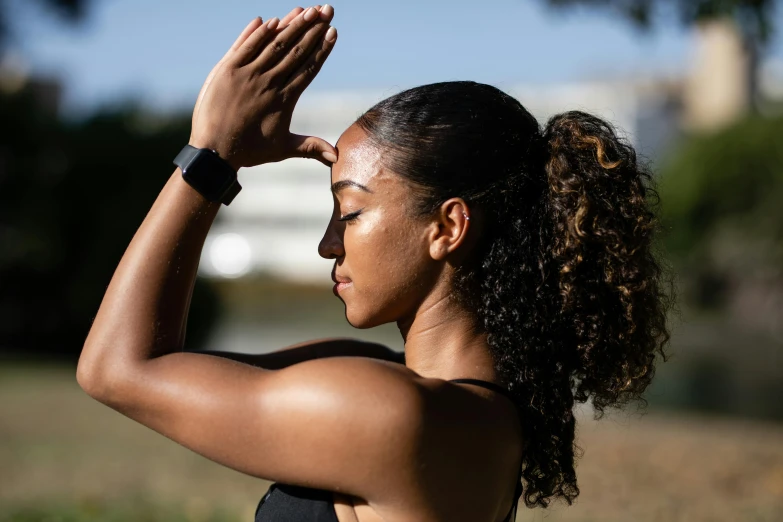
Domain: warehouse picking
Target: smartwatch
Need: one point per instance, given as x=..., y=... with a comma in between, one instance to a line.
x=208, y=173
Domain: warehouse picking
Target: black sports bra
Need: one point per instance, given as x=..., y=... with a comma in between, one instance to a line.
x=287, y=503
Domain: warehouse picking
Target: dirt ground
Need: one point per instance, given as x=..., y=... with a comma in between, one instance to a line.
x=58, y=446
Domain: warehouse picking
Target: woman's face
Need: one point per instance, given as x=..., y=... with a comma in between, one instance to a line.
x=381, y=252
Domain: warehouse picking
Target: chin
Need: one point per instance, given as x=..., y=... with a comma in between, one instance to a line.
x=363, y=320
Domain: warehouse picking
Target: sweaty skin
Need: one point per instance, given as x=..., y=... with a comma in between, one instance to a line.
x=388, y=255
x=393, y=442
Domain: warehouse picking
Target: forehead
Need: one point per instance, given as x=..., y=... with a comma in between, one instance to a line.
x=358, y=159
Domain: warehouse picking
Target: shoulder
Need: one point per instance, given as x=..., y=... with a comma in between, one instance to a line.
x=393, y=414
x=409, y=438
x=385, y=397
x=382, y=391
x=375, y=391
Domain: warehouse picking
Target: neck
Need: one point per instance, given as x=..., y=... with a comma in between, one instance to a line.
x=442, y=341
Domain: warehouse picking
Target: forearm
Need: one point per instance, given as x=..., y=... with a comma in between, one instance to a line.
x=143, y=311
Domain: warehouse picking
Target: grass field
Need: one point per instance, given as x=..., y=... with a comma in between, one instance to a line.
x=67, y=458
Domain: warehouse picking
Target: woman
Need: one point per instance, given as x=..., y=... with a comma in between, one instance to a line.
x=516, y=262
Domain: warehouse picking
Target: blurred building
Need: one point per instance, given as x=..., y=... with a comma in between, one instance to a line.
x=717, y=89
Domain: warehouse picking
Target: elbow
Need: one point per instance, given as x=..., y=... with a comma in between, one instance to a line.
x=99, y=379
x=90, y=376
x=86, y=377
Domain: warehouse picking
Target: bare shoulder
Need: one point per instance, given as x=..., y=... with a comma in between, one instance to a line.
x=461, y=450
x=347, y=424
x=347, y=373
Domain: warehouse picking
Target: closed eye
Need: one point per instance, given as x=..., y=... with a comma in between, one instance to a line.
x=350, y=217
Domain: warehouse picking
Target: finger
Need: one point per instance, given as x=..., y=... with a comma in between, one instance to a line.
x=312, y=147
x=293, y=14
x=303, y=76
x=285, y=41
x=290, y=16
x=252, y=26
x=302, y=50
x=250, y=48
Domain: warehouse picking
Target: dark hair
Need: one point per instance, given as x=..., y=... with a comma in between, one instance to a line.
x=564, y=279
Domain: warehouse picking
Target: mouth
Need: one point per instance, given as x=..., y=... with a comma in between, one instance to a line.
x=338, y=287
x=340, y=282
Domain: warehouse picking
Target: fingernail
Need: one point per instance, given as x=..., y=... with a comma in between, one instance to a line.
x=327, y=10
x=329, y=156
x=272, y=24
x=310, y=14
x=331, y=34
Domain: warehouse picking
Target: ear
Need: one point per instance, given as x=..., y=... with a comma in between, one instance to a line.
x=452, y=223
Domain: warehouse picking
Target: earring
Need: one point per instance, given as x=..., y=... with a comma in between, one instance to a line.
x=466, y=216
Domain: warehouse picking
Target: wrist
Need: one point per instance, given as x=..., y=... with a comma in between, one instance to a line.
x=222, y=151
x=212, y=176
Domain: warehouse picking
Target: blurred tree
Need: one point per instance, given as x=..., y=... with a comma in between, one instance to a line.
x=70, y=10
x=721, y=197
x=754, y=19
x=71, y=197
x=755, y=16
x=70, y=202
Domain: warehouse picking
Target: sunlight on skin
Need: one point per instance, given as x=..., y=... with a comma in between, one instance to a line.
x=385, y=229
x=359, y=162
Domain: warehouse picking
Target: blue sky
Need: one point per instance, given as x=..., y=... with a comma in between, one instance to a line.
x=160, y=51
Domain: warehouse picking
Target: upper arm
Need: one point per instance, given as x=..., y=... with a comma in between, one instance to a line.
x=328, y=423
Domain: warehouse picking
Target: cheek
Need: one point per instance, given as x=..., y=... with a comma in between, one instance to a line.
x=387, y=264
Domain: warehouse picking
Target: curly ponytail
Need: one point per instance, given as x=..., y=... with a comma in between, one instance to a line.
x=610, y=282
x=564, y=280
x=602, y=300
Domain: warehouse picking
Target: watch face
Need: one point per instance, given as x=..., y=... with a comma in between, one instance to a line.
x=209, y=174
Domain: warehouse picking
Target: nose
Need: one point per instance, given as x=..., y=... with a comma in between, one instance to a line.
x=331, y=245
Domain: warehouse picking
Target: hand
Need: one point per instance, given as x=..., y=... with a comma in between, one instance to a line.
x=255, y=24
x=245, y=107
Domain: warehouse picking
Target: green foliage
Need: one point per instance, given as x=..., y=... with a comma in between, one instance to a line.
x=722, y=207
x=71, y=198
x=734, y=175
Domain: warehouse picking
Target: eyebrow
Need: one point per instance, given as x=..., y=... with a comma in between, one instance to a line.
x=338, y=186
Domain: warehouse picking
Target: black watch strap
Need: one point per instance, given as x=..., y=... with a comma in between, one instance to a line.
x=208, y=173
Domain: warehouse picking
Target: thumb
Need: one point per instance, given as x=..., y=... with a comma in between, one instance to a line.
x=315, y=148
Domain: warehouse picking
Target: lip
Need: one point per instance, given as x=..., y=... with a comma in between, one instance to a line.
x=338, y=278
x=340, y=286
x=340, y=282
